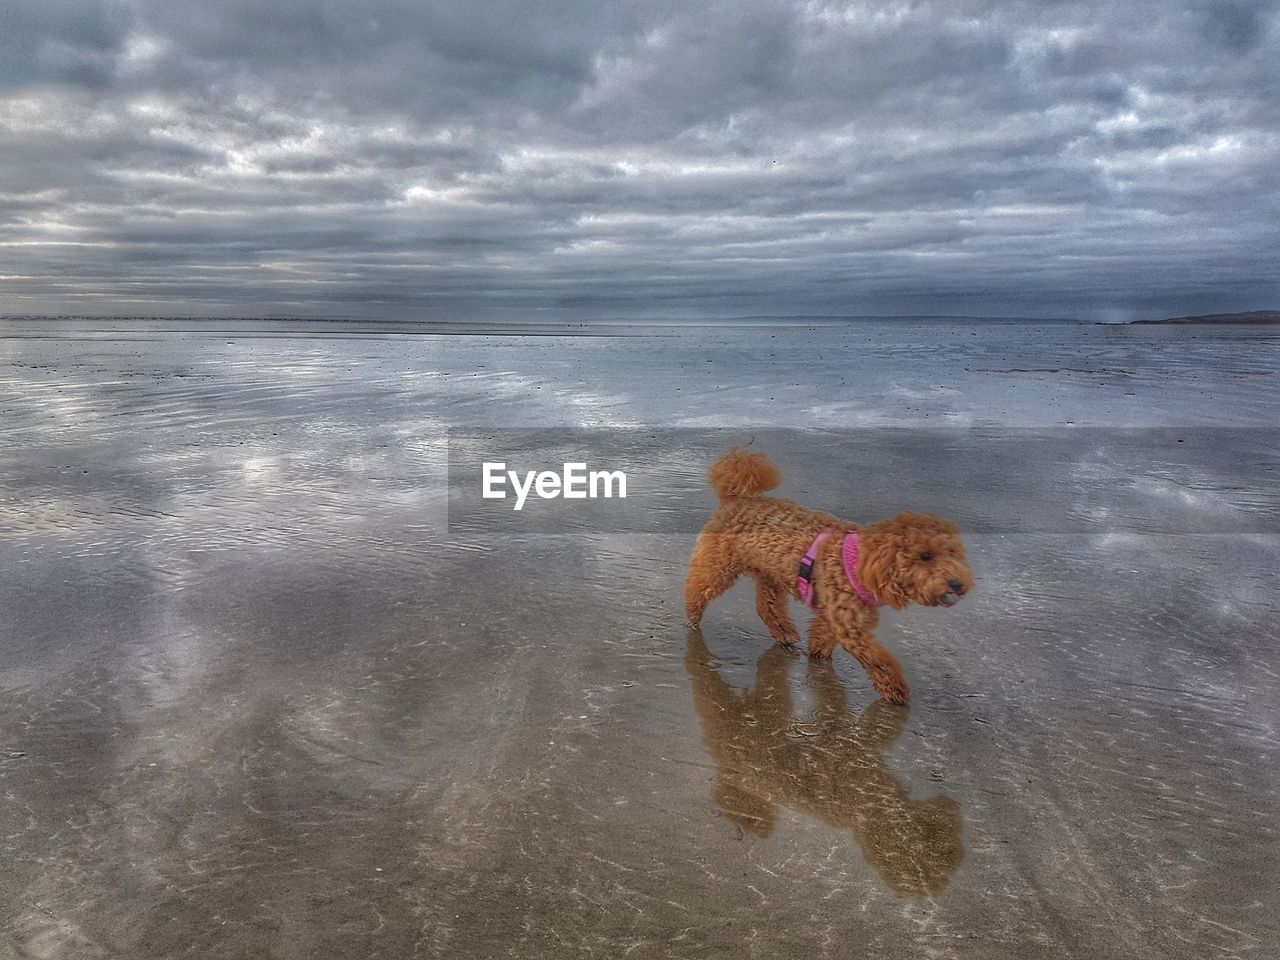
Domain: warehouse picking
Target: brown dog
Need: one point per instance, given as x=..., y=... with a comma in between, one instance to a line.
x=845, y=571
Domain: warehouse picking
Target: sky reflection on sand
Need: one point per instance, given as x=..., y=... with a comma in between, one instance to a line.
x=254, y=681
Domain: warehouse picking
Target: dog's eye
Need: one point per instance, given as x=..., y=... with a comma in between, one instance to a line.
x=926, y=557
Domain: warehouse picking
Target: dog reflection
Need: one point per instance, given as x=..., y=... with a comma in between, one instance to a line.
x=830, y=766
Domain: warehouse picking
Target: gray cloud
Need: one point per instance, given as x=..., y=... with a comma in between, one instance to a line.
x=408, y=159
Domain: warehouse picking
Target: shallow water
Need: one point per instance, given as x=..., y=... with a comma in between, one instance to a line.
x=268, y=693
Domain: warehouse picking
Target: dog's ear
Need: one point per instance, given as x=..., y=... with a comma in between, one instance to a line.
x=878, y=566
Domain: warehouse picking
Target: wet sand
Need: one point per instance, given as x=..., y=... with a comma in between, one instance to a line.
x=262, y=699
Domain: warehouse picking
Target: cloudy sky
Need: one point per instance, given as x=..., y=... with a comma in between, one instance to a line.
x=425, y=159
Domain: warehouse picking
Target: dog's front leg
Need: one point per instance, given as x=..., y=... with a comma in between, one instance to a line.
x=833, y=627
x=771, y=604
x=881, y=665
x=822, y=638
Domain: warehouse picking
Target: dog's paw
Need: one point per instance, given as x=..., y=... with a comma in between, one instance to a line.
x=819, y=654
x=891, y=686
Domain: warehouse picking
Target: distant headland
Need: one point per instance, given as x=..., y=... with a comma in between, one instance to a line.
x=1251, y=316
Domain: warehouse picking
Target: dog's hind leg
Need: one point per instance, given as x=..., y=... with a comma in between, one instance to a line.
x=771, y=604
x=712, y=571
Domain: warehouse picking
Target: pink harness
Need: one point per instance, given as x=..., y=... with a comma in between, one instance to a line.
x=849, y=552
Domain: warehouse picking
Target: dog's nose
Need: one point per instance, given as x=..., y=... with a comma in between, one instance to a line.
x=956, y=587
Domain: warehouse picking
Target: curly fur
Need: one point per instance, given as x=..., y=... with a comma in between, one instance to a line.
x=742, y=474
x=911, y=558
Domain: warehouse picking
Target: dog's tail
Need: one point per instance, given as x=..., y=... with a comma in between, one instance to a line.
x=742, y=474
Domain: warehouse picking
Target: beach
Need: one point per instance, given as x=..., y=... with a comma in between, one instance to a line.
x=273, y=686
